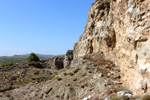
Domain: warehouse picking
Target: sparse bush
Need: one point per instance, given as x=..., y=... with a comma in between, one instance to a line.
x=33, y=57
x=58, y=78
x=74, y=79
x=89, y=71
x=83, y=73
x=52, y=77
x=75, y=70
x=28, y=81
x=71, y=74
x=65, y=74
x=9, y=64
x=6, y=64
x=49, y=90
x=146, y=97
x=68, y=84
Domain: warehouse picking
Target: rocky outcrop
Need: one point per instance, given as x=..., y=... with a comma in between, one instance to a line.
x=68, y=58
x=91, y=79
x=60, y=62
x=120, y=29
x=56, y=62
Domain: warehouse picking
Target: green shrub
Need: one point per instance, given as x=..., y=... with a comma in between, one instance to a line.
x=65, y=74
x=33, y=57
x=68, y=84
x=9, y=64
x=27, y=80
x=58, y=78
x=83, y=73
x=75, y=70
x=52, y=77
x=49, y=90
x=71, y=74
x=90, y=71
x=74, y=79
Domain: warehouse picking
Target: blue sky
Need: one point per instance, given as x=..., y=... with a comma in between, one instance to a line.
x=41, y=26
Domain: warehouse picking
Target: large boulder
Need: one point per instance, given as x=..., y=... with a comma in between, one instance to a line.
x=59, y=62
x=56, y=62
x=35, y=64
x=68, y=58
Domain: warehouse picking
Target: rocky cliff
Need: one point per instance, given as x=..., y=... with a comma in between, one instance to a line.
x=120, y=30
x=111, y=58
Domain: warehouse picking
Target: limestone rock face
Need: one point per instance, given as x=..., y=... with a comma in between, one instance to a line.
x=121, y=30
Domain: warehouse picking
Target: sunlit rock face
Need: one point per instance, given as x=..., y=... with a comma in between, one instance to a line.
x=120, y=29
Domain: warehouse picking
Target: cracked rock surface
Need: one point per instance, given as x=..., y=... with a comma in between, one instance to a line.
x=121, y=30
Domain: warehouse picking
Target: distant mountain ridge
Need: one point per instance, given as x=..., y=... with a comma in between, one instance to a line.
x=27, y=55
x=39, y=55
x=22, y=58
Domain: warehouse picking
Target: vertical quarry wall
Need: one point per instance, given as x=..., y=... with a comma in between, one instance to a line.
x=121, y=30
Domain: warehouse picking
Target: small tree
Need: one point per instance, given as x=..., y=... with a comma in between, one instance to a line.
x=33, y=57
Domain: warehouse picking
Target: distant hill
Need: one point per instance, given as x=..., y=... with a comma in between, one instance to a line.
x=21, y=58
x=13, y=59
x=39, y=55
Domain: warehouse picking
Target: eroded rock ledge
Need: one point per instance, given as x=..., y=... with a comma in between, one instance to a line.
x=120, y=29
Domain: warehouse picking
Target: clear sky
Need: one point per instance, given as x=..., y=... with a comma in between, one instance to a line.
x=41, y=26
